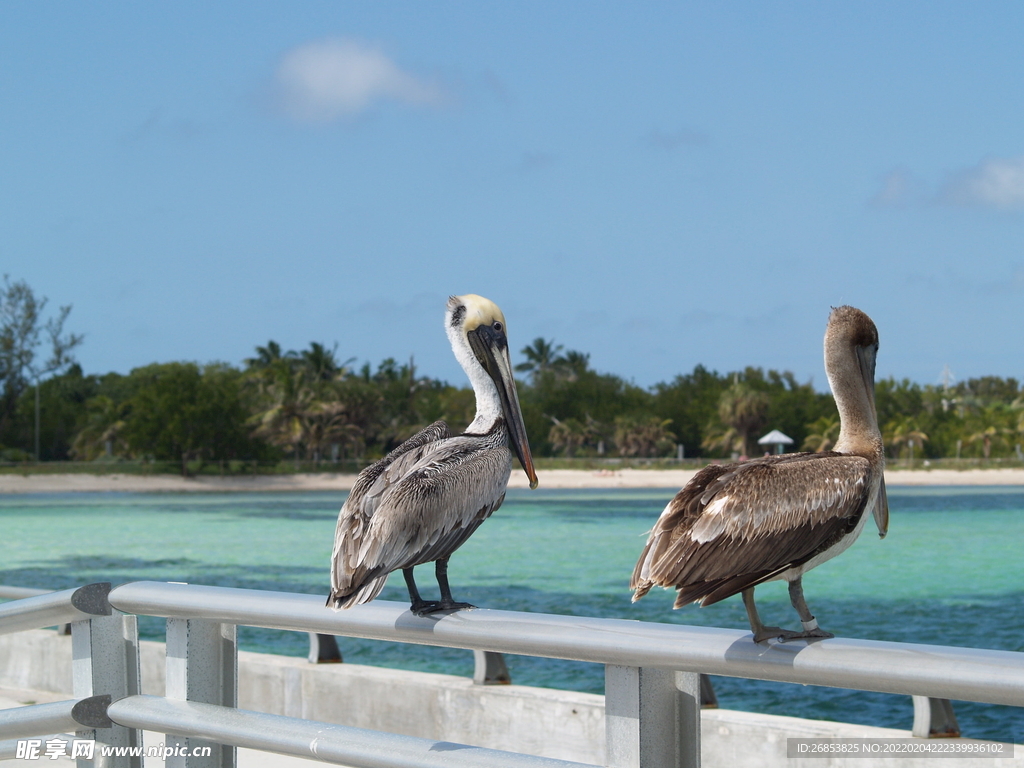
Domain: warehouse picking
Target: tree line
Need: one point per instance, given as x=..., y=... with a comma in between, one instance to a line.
x=312, y=406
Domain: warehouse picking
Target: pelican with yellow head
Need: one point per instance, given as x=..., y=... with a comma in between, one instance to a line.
x=423, y=500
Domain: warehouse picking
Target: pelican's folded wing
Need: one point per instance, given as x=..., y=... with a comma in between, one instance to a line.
x=436, y=505
x=745, y=524
x=347, y=572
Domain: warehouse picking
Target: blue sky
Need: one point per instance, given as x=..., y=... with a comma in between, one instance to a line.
x=658, y=184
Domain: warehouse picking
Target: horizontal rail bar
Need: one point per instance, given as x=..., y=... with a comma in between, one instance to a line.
x=356, y=747
x=994, y=677
x=52, y=608
x=38, y=720
x=16, y=593
x=9, y=749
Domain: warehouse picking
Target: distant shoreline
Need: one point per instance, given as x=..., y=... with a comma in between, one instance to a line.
x=555, y=478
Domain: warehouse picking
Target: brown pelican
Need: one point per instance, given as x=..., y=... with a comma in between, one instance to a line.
x=424, y=499
x=735, y=526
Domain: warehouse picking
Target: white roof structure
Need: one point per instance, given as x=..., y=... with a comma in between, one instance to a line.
x=775, y=438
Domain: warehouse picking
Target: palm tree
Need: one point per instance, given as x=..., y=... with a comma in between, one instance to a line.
x=903, y=431
x=102, y=433
x=742, y=412
x=322, y=363
x=725, y=439
x=643, y=436
x=824, y=433
x=268, y=356
x=991, y=427
x=288, y=397
x=541, y=357
x=1017, y=421
x=573, y=364
x=568, y=435
x=325, y=423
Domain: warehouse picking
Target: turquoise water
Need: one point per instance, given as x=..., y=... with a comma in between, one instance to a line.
x=950, y=572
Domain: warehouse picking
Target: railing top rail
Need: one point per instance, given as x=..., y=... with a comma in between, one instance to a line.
x=18, y=593
x=995, y=677
x=52, y=608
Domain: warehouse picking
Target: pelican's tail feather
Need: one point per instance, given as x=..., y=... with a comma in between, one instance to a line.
x=362, y=594
x=641, y=589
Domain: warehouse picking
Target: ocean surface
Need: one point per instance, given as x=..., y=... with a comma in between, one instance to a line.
x=950, y=572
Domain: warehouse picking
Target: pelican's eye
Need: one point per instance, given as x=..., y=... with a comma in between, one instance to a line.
x=497, y=326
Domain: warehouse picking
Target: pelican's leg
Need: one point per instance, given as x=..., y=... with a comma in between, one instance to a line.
x=761, y=632
x=419, y=606
x=810, y=624
x=446, y=604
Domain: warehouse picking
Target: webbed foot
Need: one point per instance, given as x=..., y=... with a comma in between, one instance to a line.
x=785, y=635
x=435, y=606
x=424, y=607
x=810, y=634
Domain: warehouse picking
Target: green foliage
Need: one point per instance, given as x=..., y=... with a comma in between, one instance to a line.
x=824, y=431
x=22, y=334
x=690, y=401
x=180, y=411
x=62, y=405
x=643, y=436
x=582, y=395
x=309, y=407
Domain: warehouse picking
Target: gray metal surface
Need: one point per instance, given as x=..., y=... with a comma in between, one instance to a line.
x=37, y=720
x=17, y=593
x=489, y=668
x=995, y=677
x=105, y=662
x=356, y=747
x=652, y=718
x=323, y=649
x=46, y=610
x=934, y=719
x=9, y=749
x=202, y=666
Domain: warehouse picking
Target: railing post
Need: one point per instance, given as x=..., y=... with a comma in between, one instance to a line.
x=202, y=666
x=934, y=718
x=708, y=699
x=323, y=649
x=652, y=718
x=490, y=669
x=105, y=661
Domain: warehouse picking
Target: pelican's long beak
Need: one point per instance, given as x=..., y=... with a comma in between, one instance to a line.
x=866, y=363
x=491, y=349
x=881, y=511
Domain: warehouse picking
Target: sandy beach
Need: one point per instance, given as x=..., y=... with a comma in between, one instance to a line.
x=555, y=478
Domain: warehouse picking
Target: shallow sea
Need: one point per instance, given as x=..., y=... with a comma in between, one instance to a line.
x=950, y=572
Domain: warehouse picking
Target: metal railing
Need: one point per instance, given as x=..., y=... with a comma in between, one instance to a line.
x=652, y=691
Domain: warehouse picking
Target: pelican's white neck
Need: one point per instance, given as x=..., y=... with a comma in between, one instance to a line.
x=488, y=404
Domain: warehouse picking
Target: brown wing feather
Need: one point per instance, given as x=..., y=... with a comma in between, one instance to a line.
x=736, y=526
x=675, y=520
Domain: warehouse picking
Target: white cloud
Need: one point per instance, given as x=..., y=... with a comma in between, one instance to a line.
x=997, y=183
x=326, y=80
